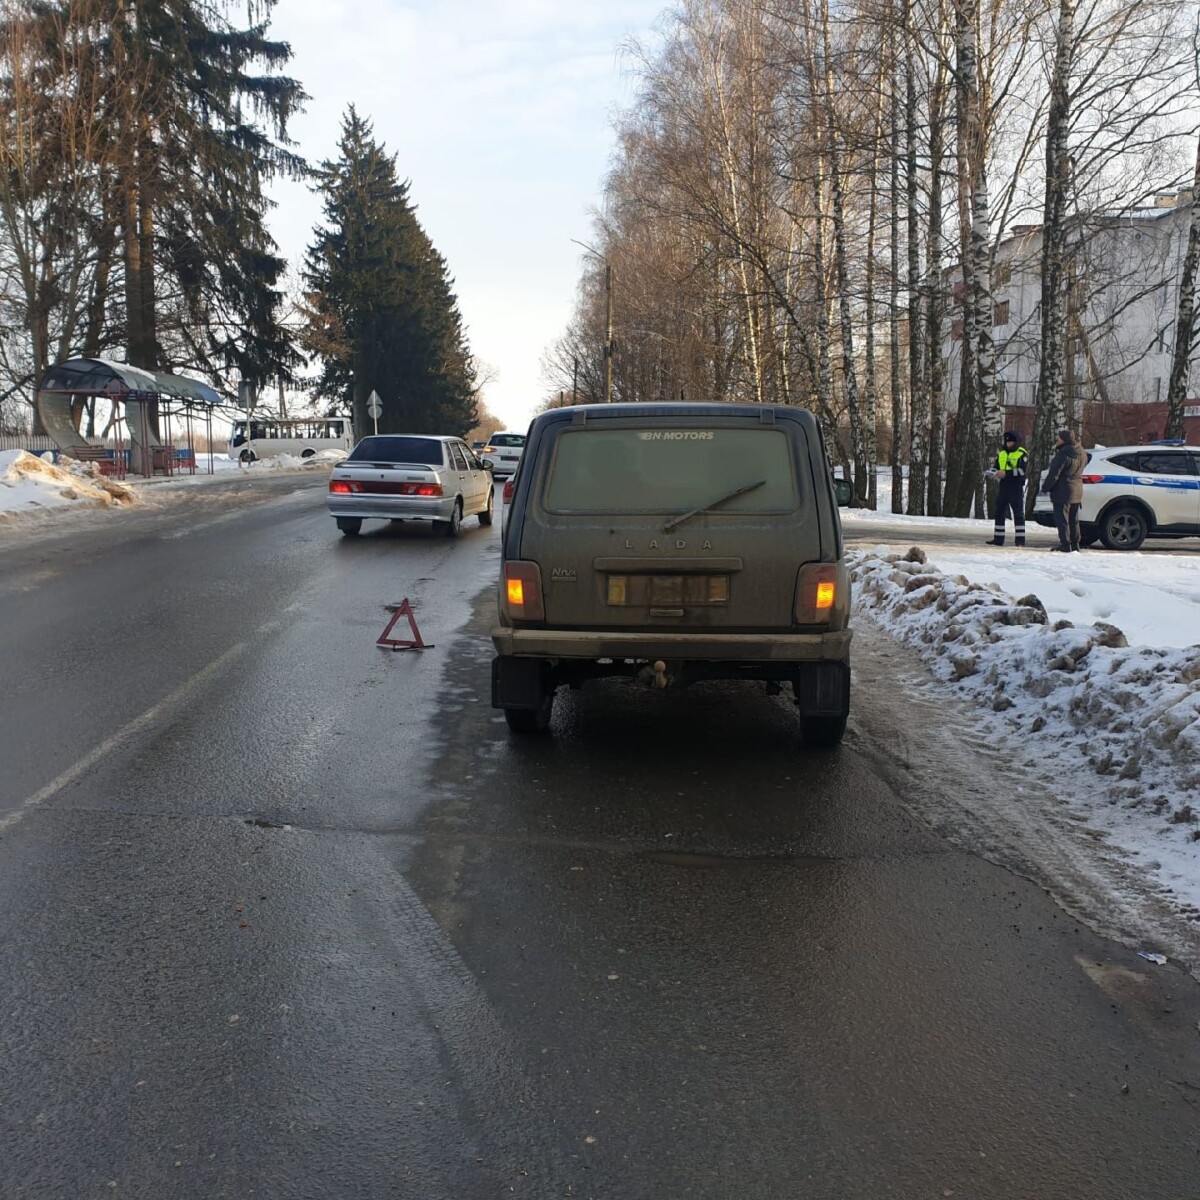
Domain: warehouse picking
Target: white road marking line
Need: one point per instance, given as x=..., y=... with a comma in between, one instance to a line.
x=122, y=736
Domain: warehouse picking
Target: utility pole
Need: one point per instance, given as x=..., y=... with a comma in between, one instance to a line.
x=608, y=334
x=608, y=320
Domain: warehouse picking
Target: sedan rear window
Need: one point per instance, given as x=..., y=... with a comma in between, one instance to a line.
x=416, y=450
x=672, y=471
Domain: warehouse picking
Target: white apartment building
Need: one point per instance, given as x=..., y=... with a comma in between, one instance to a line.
x=1124, y=291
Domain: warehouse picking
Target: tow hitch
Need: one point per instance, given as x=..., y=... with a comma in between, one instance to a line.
x=655, y=675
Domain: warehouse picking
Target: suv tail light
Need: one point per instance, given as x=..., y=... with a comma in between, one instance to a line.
x=1093, y=478
x=816, y=593
x=523, y=591
x=509, y=488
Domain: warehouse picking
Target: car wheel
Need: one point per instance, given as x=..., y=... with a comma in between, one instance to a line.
x=822, y=731
x=248, y=456
x=309, y=453
x=485, y=517
x=1089, y=535
x=1124, y=528
x=350, y=526
x=531, y=720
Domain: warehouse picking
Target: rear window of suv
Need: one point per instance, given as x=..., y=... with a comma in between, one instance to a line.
x=671, y=471
x=415, y=450
x=509, y=440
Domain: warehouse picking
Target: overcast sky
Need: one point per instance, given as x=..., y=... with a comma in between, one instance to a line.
x=500, y=114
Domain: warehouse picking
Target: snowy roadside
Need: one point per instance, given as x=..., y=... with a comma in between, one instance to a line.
x=1111, y=730
x=33, y=489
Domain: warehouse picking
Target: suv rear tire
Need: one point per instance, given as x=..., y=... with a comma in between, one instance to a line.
x=531, y=720
x=1124, y=527
x=822, y=731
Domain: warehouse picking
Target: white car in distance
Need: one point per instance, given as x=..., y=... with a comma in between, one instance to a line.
x=504, y=451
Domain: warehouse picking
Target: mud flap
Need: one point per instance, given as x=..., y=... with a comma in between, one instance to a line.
x=823, y=689
x=519, y=682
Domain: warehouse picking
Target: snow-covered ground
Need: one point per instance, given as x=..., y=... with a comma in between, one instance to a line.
x=1105, y=712
x=32, y=487
x=1153, y=598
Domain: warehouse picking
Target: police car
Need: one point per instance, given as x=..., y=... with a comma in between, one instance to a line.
x=1131, y=493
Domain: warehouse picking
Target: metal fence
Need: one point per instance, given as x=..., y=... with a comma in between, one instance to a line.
x=34, y=443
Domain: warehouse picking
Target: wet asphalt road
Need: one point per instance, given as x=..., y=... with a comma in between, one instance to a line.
x=288, y=916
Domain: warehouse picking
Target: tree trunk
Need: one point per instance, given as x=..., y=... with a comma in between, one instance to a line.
x=870, y=384
x=1185, y=321
x=863, y=472
x=824, y=367
x=895, y=380
x=1051, y=412
x=963, y=467
x=132, y=245
x=918, y=399
x=936, y=300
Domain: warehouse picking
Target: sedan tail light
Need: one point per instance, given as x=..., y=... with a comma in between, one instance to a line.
x=523, y=591
x=816, y=593
x=421, y=489
x=1093, y=478
x=343, y=487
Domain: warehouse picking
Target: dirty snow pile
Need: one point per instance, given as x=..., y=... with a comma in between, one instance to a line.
x=1115, y=728
x=293, y=462
x=29, y=484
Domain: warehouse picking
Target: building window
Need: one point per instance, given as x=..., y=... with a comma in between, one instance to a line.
x=1003, y=274
x=1000, y=313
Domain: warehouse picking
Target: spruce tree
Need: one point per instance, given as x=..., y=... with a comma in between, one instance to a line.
x=381, y=311
x=199, y=124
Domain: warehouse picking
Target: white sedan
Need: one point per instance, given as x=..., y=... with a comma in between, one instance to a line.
x=411, y=477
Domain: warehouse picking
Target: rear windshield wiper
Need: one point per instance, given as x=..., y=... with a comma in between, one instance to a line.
x=687, y=516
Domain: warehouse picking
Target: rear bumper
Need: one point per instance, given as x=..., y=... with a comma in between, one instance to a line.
x=392, y=508
x=709, y=647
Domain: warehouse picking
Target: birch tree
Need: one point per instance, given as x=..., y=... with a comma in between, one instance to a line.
x=1185, y=319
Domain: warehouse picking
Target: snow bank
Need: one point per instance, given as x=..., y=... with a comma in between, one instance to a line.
x=1154, y=598
x=1112, y=729
x=29, y=484
x=293, y=462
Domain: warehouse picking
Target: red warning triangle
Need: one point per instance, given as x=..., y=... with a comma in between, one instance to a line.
x=403, y=609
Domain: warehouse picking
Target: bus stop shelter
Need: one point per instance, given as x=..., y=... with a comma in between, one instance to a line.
x=147, y=412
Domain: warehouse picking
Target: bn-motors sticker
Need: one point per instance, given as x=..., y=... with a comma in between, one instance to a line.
x=677, y=435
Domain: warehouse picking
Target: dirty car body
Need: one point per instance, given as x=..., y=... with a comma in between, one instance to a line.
x=674, y=543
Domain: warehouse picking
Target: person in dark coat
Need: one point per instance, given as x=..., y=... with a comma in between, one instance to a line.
x=1064, y=483
x=1009, y=468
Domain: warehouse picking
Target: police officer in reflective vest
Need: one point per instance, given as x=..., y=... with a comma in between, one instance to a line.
x=1010, y=469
